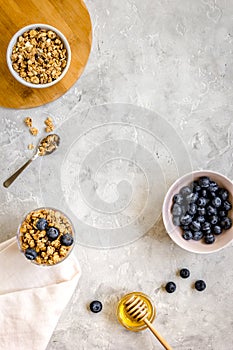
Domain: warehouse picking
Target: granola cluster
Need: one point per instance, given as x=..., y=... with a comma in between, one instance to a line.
x=46, y=236
x=49, y=124
x=49, y=144
x=39, y=56
x=49, y=127
x=28, y=121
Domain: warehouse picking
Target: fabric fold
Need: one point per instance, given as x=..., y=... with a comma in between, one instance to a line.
x=32, y=297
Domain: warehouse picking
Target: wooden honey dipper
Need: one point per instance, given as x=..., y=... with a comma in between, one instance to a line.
x=137, y=310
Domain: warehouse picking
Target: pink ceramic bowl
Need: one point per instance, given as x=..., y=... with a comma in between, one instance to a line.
x=175, y=232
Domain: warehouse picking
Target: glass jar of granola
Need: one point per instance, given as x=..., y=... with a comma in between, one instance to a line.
x=46, y=236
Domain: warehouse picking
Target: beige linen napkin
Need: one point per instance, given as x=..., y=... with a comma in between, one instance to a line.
x=32, y=297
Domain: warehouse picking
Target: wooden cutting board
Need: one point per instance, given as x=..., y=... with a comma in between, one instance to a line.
x=71, y=17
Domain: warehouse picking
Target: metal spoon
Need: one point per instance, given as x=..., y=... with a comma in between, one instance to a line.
x=46, y=146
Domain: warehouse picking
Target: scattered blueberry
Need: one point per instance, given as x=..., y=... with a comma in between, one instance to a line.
x=66, y=240
x=209, y=238
x=52, y=233
x=170, y=287
x=30, y=254
x=184, y=273
x=200, y=285
x=42, y=224
x=96, y=306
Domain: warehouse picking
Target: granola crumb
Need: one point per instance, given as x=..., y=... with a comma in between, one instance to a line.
x=31, y=146
x=28, y=121
x=49, y=125
x=34, y=131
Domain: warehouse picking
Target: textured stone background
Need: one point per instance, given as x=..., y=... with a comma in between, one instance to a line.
x=174, y=58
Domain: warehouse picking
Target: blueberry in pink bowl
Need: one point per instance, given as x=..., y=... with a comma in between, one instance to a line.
x=197, y=211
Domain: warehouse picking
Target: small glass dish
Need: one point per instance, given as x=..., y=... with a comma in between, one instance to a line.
x=41, y=249
x=126, y=321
